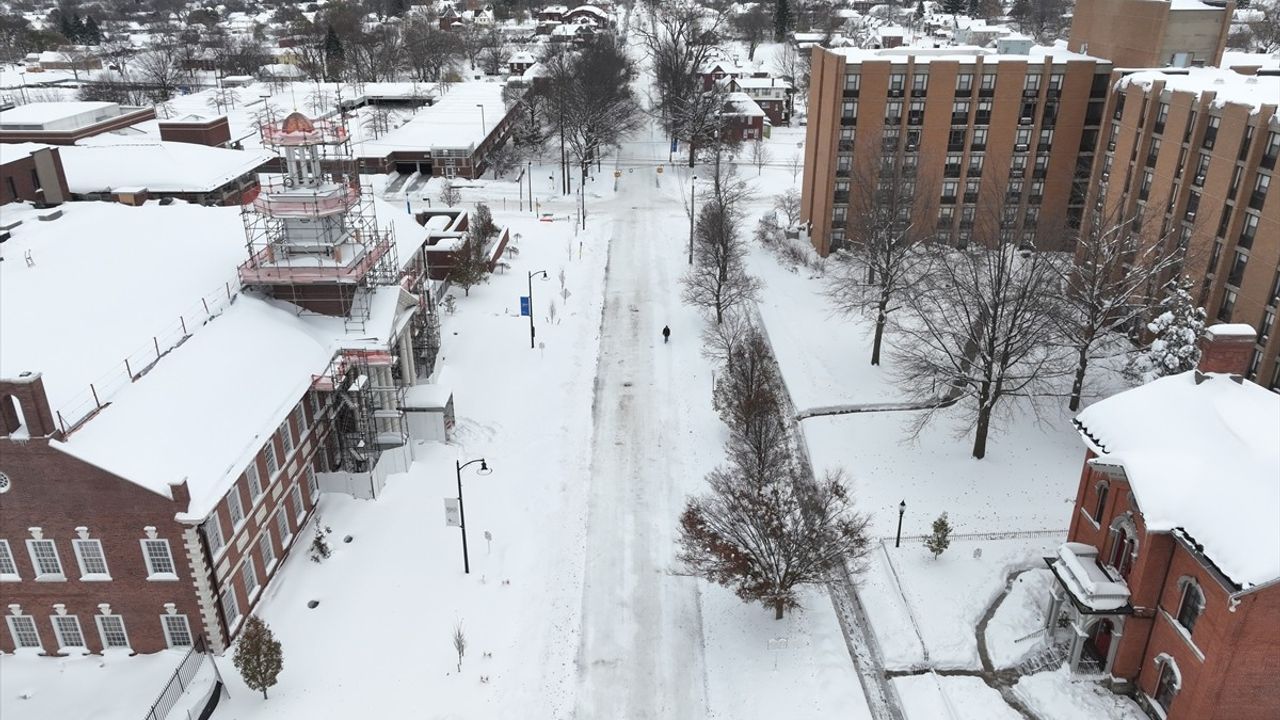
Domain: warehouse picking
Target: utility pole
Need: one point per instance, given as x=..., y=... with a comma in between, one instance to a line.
x=693, y=212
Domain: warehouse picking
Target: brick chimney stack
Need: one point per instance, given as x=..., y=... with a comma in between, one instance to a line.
x=1227, y=348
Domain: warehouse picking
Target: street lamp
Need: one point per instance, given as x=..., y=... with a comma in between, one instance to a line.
x=543, y=273
x=902, y=508
x=462, y=515
x=693, y=212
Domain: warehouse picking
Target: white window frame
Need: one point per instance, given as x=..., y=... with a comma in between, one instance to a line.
x=101, y=622
x=313, y=484
x=231, y=608
x=253, y=477
x=273, y=462
x=152, y=572
x=165, y=621
x=235, y=506
x=267, y=550
x=16, y=634
x=57, y=621
x=59, y=576
x=213, y=530
x=79, y=545
x=283, y=527
x=299, y=509
x=8, y=564
x=301, y=418
x=248, y=572
x=286, y=437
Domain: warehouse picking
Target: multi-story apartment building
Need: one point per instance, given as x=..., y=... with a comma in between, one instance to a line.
x=1170, y=581
x=1147, y=33
x=1192, y=155
x=988, y=143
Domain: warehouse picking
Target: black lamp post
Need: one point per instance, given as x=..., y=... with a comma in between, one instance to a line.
x=462, y=515
x=693, y=212
x=532, y=332
x=902, y=508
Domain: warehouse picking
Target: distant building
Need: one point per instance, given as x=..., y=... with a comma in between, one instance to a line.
x=1170, y=581
x=155, y=170
x=1149, y=34
x=743, y=119
x=64, y=123
x=32, y=172
x=774, y=95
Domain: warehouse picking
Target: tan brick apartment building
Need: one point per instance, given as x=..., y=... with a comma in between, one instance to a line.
x=1170, y=581
x=983, y=133
x=1194, y=153
x=1152, y=33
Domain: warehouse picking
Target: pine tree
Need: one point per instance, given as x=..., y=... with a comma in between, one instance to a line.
x=782, y=20
x=1020, y=12
x=1177, y=328
x=940, y=540
x=334, y=54
x=919, y=10
x=975, y=8
x=258, y=655
x=92, y=35
x=953, y=7
x=482, y=225
x=77, y=29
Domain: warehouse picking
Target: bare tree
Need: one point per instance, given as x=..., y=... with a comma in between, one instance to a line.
x=1112, y=284
x=796, y=164
x=883, y=259
x=753, y=27
x=759, y=155
x=450, y=194
x=459, y=643
x=430, y=53
x=681, y=40
x=788, y=203
x=720, y=342
x=1266, y=29
x=718, y=280
x=979, y=330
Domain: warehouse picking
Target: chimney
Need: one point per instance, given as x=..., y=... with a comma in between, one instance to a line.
x=23, y=402
x=1227, y=348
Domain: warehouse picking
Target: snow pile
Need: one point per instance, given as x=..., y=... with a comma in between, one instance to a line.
x=1021, y=613
x=1227, y=86
x=1201, y=455
x=935, y=697
x=114, y=686
x=1055, y=695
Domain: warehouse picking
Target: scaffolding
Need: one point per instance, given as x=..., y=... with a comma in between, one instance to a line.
x=366, y=399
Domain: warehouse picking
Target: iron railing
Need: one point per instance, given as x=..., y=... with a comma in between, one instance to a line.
x=179, y=681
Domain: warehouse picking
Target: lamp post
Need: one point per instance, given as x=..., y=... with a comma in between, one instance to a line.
x=902, y=508
x=532, y=332
x=693, y=212
x=462, y=514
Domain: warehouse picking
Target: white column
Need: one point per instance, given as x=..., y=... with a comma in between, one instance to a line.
x=408, y=370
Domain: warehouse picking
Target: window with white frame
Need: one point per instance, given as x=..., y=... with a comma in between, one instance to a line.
x=272, y=465
x=267, y=550
x=111, y=630
x=22, y=628
x=235, y=507
x=300, y=417
x=282, y=526
x=44, y=557
x=177, y=630
x=249, y=576
x=230, y=607
x=8, y=567
x=213, y=533
x=93, y=562
x=1191, y=603
x=254, y=480
x=1168, y=683
x=67, y=629
x=299, y=510
x=286, y=437
x=313, y=484
x=159, y=558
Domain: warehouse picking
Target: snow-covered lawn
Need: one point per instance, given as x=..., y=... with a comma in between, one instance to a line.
x=121, y=687
x=1021, y=613
x=758, y=667
x=1056, y=696
x=944, y=598
x=939, y=697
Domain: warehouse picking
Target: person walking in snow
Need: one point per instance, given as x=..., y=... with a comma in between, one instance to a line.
x=666, y=334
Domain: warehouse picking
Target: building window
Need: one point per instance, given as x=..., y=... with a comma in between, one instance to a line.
x=22, y=628
x=177, y=631
x=964, y=82
x=897, y=81
x=111, y=630
x=1102, y=489
x=1260, y=185
x=851, y=81
x=230, y=608
x=213, y=533
x=93, y=563
x=66, y=628
x=300, y=417
x=1124, y=545
x=159, y=559
x=267, y=549
x=919, y=82
x=8, y=568
x=272, y=464
x=44, y=557
x=1191, y=605
x=286, y=437
x=282, y=527
x=299, y=511
x=249, y=576
x=1168, y=683
x=235, y=507
x=253, y=479
x=979, y=139
x=1228, y=306
x=1211, y=132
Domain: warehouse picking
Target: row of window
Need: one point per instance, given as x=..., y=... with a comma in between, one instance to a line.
x=266, y=555
x=90, y=556
x=70, y=637
x=964, y=81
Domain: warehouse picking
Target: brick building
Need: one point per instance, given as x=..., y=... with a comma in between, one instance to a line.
x=32, y=172
x=776, y=97
x=65, y=123
x=1170, y=581
x=743, y=120
x=151, y=500
x=1193, y=154
x=974, y=133
x=1145, y=34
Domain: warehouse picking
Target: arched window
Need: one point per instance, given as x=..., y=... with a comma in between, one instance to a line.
x=1168, y=682
x=1191, y=605
x=1124, y=545
x=1102, y=489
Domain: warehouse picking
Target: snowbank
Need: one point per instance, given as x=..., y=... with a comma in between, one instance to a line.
x=1021, y=613
x=1055, y=696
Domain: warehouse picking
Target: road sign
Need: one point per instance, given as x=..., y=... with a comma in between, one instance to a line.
x=659, y=169
x=675, y=144
x=617, y=173
x=524, y=306
x=452, y=514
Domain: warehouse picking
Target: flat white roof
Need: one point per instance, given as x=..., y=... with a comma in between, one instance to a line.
x=40, y=113
x=452, y=123
x=10, y=152
x=157, y=166
x=1202, y=459
x=962, y=54
x=1228, y=86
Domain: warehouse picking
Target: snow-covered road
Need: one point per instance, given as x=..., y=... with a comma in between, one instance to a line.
x=641, y=653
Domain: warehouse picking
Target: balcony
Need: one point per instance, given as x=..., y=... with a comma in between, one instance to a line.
x=959, y=118
x=851, y=92
x=978, y=146
x=281, y=199
x=895, y=92
x=964, y=91
x=1198, y=180
x=892, y=119
x=955, y=146
x=986, y=92
x=975, y=171
x=1052, y=93
x=919, y=92
x=1158, y=127
x=1044, y=147
x=1027, y=120
x=845, y=146
x=1030, y=92
x=1039, y=173
x=842, y=172
x=1017, y=172
x=915, y=118
x=1078, y=570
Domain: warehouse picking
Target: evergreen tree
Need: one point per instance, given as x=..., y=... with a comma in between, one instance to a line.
x=65, y=29
x=1177, y=328
x=782, y=20
x=334, y=54
x=975, y=8
x=919, y=10
x=482, y=225
x=470, y=264
x=92, y=35
x=77, y=29
x=258, y=656
x=940, y=539
x=1020, y=11
x=953, y=7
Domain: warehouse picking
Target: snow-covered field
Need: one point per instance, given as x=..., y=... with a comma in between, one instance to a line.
x=121, y=687
x=940, y=697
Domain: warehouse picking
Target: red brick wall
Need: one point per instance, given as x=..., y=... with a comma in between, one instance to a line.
x=1248, y=678
x=57, y=493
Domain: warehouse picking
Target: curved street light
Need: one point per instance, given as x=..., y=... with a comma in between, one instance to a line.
x=462, y=514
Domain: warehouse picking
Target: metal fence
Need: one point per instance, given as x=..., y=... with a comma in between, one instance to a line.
x=178, y=683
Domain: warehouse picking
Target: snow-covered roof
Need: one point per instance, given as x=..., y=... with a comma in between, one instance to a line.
x=1201, y=455
x=739, y=103
x=159, y=167
x=453, y=122
x=592, y=9
x=43, y=113
x=1193, y=5
x=1235, y=58
x=1227, y=86
x=1077, y=566
x=962, y=54
x=523, y=58
x=10, y=152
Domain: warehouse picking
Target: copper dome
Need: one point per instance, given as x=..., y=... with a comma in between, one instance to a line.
x=297, y=122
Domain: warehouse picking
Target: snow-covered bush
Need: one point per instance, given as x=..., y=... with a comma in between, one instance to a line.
x=320, y=543
x=1177, y=328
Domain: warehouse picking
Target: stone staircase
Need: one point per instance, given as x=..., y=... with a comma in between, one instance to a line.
x=1049, y=658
